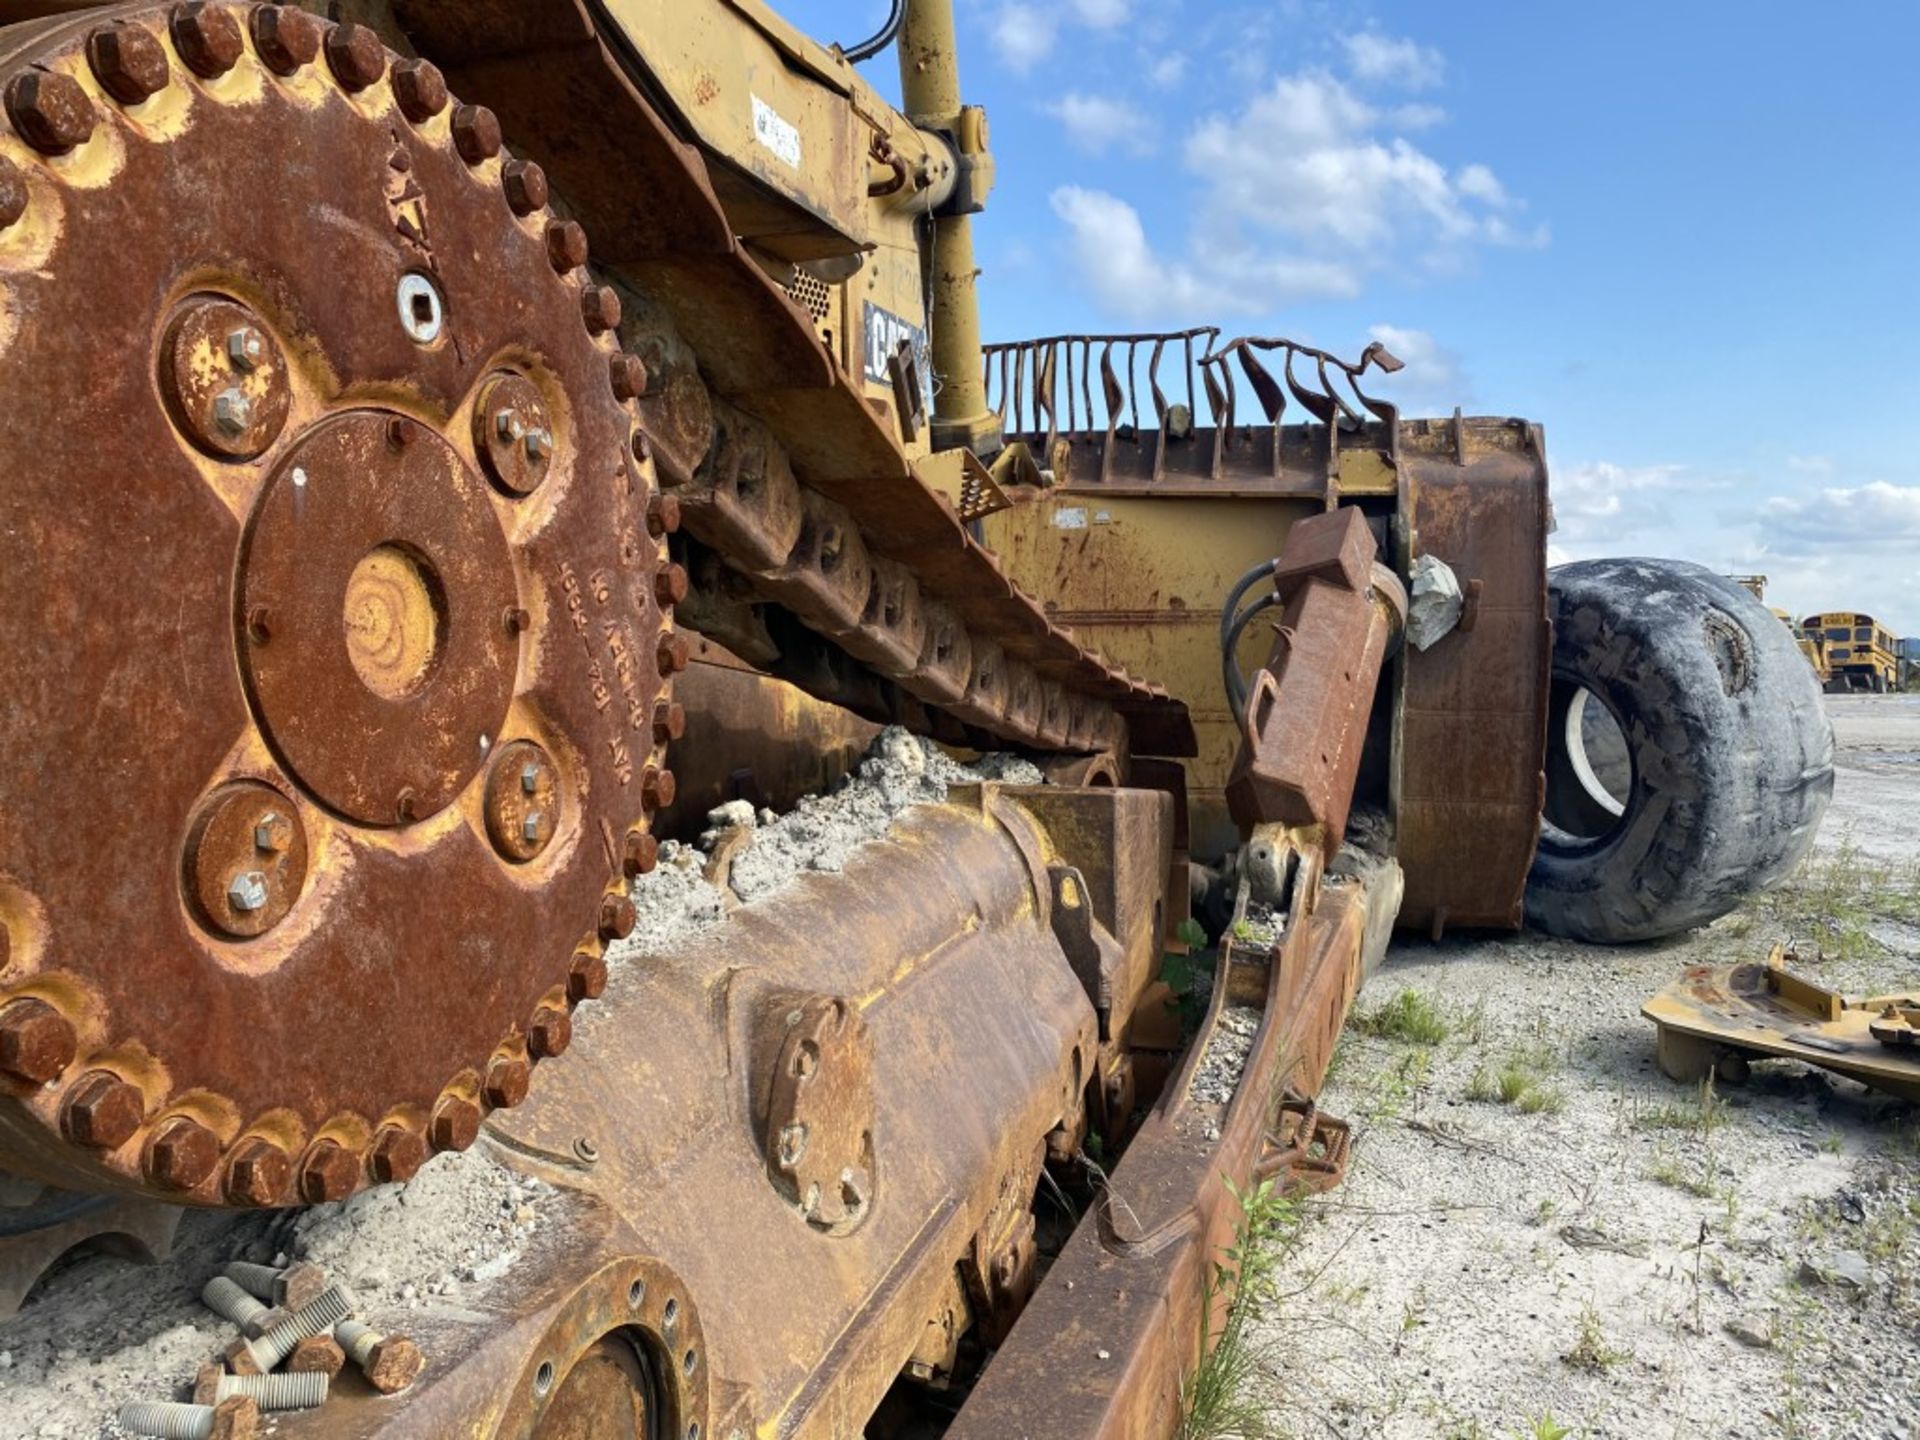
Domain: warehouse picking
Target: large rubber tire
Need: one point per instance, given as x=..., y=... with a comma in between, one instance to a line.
x=1728, y=762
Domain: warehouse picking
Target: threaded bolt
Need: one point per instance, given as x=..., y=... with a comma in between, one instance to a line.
x=248, y=892
x=305, y=1390
x=230, y=1302
x=390, y=1364
x=234, y=1419
x=256, y=1357
x=294, y=1288
x=233, y=410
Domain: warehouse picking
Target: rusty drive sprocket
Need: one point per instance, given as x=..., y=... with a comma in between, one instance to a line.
x=340, y=637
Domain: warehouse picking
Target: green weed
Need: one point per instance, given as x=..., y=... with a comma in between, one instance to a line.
x=1409, y=1017
x=1221, y=1398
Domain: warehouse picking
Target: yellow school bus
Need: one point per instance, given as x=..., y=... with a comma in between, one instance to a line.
x=1860, y=650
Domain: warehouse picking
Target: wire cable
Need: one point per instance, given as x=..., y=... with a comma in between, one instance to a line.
x=867, y=49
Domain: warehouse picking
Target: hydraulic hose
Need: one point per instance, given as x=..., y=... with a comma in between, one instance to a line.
x=867, y=49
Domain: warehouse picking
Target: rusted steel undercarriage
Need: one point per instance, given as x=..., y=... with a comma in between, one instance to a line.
x=369, y=487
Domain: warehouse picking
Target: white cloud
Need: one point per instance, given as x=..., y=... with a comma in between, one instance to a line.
x=1097, y=124
x=1390, y=60
x=1874, y=516
x=1023, y=34
x=1601, y=508
x=1431, y=376
x=1810, y=464
x=1305, y=158
x=1831, y=548
x=1111, y=253
x=1302, y=192
x=1168, y=71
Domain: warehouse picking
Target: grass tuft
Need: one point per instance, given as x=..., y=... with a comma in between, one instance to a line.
x=1223, y=1398
x=1409, y=1017
x=1590, y=1350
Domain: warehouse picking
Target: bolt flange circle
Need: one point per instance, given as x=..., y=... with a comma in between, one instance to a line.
x=223, y=377
x=246, y=860
x=523, y=801
x=512, y=434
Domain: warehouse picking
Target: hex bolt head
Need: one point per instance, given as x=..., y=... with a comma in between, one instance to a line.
x=455, y=1124
x=356, y=56
x=531, y=826
x=566, y=246
x=49, y=110
x=641, y=855
x=673, y=654
x=391, y=1362
x=669, y=722
x=539, y=445
x=599, y=309
x=247, y=892
x=273, y=833
x=258, y=1173
x=628, y=376
x=287, y=37
x=549, y=1033
x=530, y=774
x=516, y=620
x=663, y=516
x=397, y=1155
x=508, y=1077
x=669, y=586
x=245, y=349
x=102, y=1111
x=207, y=37
x=129, y=63
x=329, y=1172
x=36, y=1041
x=182, y=1154
x=657, y=788
x=420, y=88
x=526, y=186
x=617, y=917
x=476, y=133
x=317, y=1354
x=232, y=410
x=508, y=425
x=587, y=977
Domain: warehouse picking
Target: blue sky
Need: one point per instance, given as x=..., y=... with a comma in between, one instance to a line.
x=1681, y=236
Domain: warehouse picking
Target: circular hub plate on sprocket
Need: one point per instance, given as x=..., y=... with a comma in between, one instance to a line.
x=374, y=586
x=270, y=343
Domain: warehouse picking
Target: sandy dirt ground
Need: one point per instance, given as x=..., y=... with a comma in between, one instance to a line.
x=1542, y=1236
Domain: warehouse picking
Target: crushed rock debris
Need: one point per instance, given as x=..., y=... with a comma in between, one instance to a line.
x=1218, y=1074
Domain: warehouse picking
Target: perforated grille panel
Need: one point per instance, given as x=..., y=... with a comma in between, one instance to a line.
x=811, y=294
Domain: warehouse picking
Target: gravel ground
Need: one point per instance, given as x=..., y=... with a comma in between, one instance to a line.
x=98, y=1332
x=1540, y=1231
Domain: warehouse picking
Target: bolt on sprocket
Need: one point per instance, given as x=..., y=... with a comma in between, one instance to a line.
x=322, y=506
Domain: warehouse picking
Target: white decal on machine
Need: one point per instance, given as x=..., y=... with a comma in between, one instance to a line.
x=782, y=138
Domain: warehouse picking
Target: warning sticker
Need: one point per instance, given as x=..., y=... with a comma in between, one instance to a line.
x=779, y=136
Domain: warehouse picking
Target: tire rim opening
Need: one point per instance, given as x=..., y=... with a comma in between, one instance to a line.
x=1590, y=772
